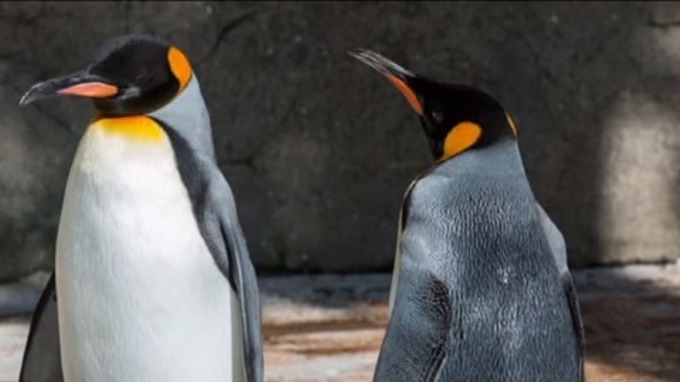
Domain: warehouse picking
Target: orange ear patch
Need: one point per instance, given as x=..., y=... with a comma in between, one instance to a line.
x=90, y=90
x=460, y=138
x=411, y=97
x=180, y=67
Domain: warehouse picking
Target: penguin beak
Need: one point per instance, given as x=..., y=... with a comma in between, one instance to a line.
x=400, y=77
x=80, y=84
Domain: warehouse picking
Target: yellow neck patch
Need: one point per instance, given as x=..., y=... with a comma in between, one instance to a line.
x=460, y=138
x=138, y=127
x=512, y=124
x=180, y=67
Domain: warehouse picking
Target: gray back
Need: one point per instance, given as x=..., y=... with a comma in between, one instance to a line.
x=479, y=297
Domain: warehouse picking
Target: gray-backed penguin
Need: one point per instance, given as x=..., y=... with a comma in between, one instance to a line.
x=481, y=290
x=153, y=277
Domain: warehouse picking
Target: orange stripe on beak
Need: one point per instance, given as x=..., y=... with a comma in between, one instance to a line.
x=411, y=97
x=90, y=90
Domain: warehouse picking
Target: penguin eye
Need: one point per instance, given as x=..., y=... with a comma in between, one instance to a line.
x=437, y=116
x=147, y=77
x=142, y=76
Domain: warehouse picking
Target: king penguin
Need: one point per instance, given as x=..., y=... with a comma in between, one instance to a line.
x=481, y=290
x=153, y=280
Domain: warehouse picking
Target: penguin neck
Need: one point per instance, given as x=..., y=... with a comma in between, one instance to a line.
x=502, y=157
x=187, y=115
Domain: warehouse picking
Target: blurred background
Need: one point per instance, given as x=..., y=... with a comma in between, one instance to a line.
x=319, y=149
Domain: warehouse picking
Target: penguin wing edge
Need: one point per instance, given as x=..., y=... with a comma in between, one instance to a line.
x=215, y=211
x=241, y=274
x=416, y=343
x=42, y=357
x=558, y=250
x=558, y=247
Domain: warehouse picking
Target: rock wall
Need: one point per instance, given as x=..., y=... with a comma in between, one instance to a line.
x=319, y=149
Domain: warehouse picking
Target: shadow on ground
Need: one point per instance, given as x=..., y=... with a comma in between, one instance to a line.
x=632, y=325
x=631, y=316
x=329, y=327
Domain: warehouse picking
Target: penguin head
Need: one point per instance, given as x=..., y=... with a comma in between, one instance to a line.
x=129, y=75
x=455, y=118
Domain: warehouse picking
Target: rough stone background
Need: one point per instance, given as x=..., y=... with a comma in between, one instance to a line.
x=319, y=149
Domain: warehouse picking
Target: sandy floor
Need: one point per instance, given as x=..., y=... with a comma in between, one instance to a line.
x=329, y=328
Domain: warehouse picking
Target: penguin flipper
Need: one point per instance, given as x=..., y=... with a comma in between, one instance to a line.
x=418, y=334
x=575, y=311
x=42, y=357
x=215, y=211
x=558, y=250
x=241, y=273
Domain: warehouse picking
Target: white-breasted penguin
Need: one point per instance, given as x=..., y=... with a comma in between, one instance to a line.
x=153, y=277
x=481, y=289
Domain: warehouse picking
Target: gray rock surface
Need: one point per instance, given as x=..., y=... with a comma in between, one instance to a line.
x=319, y=149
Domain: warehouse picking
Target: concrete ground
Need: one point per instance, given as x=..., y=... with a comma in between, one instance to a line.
x=329, y=328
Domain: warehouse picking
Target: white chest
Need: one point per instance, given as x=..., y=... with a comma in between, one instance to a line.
x=140, y=297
